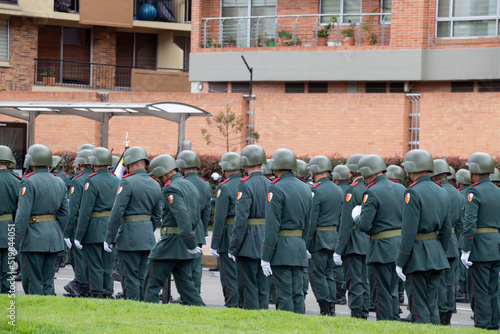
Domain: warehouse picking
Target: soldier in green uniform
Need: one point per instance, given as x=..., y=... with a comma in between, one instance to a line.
x=322, y=236
x=266, y=171
x=189, y=163
x=481, y=253
x=99, y=192
x=79, y=287
x=446, y=296
x=41, y=217
x=134, y=217
x=284, y=253
x=340, y=176
x=177, y=248
x=248, y=231
x=352, y=244
x=59, y=171
x=230, y=164
x=462, y=294
x=380, y=216
x=495, y=177
x=9, y=188
x=424, y=238
x=452, y=178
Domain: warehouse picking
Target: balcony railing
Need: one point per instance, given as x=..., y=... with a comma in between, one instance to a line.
x=66, y=6
x=55, y=72
x=163, y=10
x=305, y=30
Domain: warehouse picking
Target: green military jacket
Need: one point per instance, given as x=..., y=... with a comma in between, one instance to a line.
x=181, y=200
x=457, y=206
x=251, y=198
x=205, y=199
x=42, y=193
x=137, y=194
x=64, y=176
x=351, y=241
x=401, y=188
x=482, y=210
x=463, y=191
x=425, y=211
x=326, y=210
x=9, y=190
x=225, y=207
x=382, y=209
x=288, y=208
x=343, y=186
x=75, y=199
x=99, y=192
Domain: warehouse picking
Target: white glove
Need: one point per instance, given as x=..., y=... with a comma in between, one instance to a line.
x=356, y=212
x=266, y=268
x=214, y=252
x=309, y=256
x=196, y=250
x=337, y=259
x=465, y=259
x=68, y=242
x=399, y=271
x=107, y=247
x=215, y=176
x=13, y=251
x=231, y=256
x=78, y=244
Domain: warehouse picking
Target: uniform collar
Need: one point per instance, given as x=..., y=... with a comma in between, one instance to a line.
x=140, y=171
x=380, y=178
x=101, y=171
x=423, y=178
x=286, y=174
x=232, y=176
x=323, y=179
x=175, y=176
x=484, y=179
x=257, y=172
x=358, y=180
x=190, y=174
x=443, y=182
x=41, y=170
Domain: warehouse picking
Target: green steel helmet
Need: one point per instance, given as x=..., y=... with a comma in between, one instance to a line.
x=480, y=163
x=115, y=159
x=301, y=170
x=453, y=175
x=352, y=162
x=252, y=155
x=161, y=165
x=230, y=161
x=440, y=167
x=82, y=158
x=38, y=156
x=188, y=159
x=418, y=161
x=371, y=164
x=394, y=172
x=463, y=177
x=340, y=173
x=55, y=160
x=495, y=176
x=265, y=168
x=100, y=156
x=134, y=154
x=319, y=164
x=86, y=147
x=283, y=159
x=6, y=154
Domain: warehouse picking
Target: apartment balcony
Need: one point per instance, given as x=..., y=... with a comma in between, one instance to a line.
x=178, y=11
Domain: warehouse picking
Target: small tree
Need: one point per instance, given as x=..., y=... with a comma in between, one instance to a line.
x=229, y=126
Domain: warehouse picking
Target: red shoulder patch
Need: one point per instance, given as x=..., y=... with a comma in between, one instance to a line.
x=65, y=173
x=275, y=180
x=76, y=177
x=371, y=184
x=301, y=179
x=269, y=178
x=475, y=184
x=395, y=181
x=113, y=173
x=92, y=174
x=167, y=184
x=414, y=183
x=459, y=189
x=201, y=177
x=353, y=184
x=224, y=181
x=439, y=184
x=15, y=175
x=154, y=178
x=126, y=175
x=315, y=185
x=28, y=175
x=55, y=175
x=245, y=178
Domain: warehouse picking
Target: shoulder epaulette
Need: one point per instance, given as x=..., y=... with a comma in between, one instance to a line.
x=112, y=173
x=167, y=184
x=301, y=179
x=439, y=184
x=245, y=178
x=475, y=184
x=371, y=184
x=414, y=183
x=28, y=175
x=55, y=175
x=92, y=174
x=315, y=185
x=459, y=189
x=275, y=180
x=65, y=173
x=395, y=181
x=223, y=181
x=126, y=175
x=15, y=175
x=269, y=178
x=77, y=176
x=201, y=177
x=353, y=184
x=154, y=178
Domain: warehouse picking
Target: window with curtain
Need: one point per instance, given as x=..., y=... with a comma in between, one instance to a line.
x=467, y=18
x=4, y=40
x=336, y=7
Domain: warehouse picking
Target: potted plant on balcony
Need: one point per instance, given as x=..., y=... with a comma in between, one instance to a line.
x=366, y=27
x=270, y=42
x=49, y=76
x=229, y=42
x=284, y=35
x=322, y=35
x=349, y=35
x=331, y=23
x=290, y=42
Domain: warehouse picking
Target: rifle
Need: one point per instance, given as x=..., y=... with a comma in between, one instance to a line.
x=62, y=159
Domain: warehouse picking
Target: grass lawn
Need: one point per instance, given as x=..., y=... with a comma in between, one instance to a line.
x=36, y=314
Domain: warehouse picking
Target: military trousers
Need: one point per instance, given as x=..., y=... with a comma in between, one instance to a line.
x=289, y=288
x=338, y=275
x=158, y=272
x=4, y=270
x=422, y=291
x=229, y=280
x=37, y=271
x=252, y=284
x=108, y=262
x=447, y=284
x=97, y=260
x=321, y=276
x=197, y=271
x=483, y=289
x=356, y=279
x=305, y=279
x=79, y=265
x=133, y=273
x=384, y=290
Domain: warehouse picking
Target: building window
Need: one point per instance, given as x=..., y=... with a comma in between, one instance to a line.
x=467, y=18
x=4, y=40
x=318, y=87
x=488, y=86
x=352, y=87
x=339, y=8
x=376, y=87
x=217, y=87
x=462, y=87
x=294, y=87
x=397, y=87
x=240, y=87
x=386, y=7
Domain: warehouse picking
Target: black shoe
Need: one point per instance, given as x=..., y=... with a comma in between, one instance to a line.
x=341, y=300
x=116, y=274
x=371, y=307
x=62, y=262
x=108, y=296
x=271, y=301
x=324, y=308
x=216, y=268
x=179, y=301
x=442, y=318
x=332, y=310
x=119, y=295
x=400, y=311
x=72, y=289
x=99, y=296
x=84, y=291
